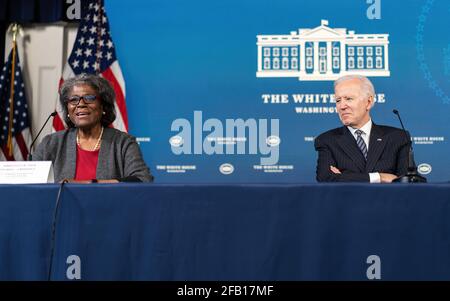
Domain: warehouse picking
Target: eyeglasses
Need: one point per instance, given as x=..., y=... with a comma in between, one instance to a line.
x=74, y=100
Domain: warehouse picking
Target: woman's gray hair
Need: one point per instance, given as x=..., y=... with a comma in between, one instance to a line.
x=366, y=84
x=103, y=89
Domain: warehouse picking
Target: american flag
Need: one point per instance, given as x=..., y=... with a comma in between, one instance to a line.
x=15, y=134
x=93, y=52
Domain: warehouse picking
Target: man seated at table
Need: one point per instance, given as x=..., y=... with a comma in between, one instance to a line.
x=360, y=151
x=89, y=150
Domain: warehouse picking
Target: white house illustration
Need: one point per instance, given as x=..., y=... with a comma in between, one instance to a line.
x=322, y=53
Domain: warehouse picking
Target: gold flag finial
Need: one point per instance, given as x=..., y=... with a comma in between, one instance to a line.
x=15, y=31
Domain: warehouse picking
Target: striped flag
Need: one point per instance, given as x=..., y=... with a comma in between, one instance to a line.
x=94, y=53
x=15, y=133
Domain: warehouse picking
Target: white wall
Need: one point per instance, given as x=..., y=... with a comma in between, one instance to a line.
x=43, y=51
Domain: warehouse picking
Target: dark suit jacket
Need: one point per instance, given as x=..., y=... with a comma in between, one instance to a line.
x=388, y=153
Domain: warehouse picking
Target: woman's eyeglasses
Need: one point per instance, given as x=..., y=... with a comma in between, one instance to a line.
x=74, y=100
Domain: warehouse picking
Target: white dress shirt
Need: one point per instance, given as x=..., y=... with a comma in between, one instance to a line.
x=374, y=176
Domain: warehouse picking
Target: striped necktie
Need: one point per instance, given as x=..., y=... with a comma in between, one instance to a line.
x=361, y=144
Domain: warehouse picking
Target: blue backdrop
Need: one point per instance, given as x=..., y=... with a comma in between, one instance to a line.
x=186, y=59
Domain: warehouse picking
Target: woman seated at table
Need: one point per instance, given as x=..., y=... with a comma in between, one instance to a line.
x=89, y=151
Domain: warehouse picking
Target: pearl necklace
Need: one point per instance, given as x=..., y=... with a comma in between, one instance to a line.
x=96, y=145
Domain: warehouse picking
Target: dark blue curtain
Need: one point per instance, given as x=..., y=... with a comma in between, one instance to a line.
x=29, y=11
x=26, y=11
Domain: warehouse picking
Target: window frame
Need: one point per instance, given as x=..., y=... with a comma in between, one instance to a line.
x=351, y=51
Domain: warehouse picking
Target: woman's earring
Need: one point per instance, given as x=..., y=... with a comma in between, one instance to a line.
x=104, y=112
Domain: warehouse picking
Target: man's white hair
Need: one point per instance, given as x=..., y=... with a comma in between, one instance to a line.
x=366, y=84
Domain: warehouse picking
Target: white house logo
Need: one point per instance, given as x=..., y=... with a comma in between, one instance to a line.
x=424, y=168
x=176, y=141
x=226, y=168
x=322, y=53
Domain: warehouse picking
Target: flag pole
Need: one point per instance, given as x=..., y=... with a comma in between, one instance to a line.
x=100, y=19
x=15, y=30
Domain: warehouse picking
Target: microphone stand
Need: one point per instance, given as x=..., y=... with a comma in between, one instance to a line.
x=30, y=157
x=411, y=176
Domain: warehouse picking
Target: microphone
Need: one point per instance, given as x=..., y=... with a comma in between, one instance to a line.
x=411, y=176
x=30, y=157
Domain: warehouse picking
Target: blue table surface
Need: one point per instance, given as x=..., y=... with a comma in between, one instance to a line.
x=132, y=231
